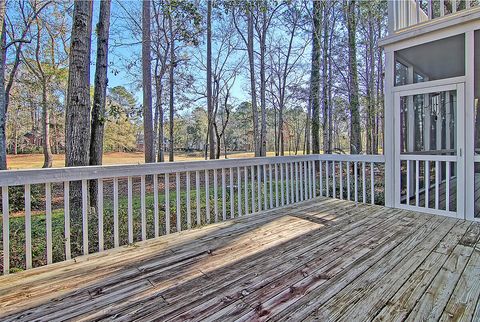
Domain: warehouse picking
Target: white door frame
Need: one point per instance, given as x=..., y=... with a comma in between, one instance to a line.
x=424, y=88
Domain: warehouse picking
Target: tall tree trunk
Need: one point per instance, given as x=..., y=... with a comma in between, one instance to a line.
x=251, y=62
x=77, y=114
x=275, y=131
x=263, y=86
x=315, y=75
x=355, y=133
x=47, y=150
x=326, y=145
x=379, y=101
x=331, y=139
x=56, y=135
x=281, y=141
x=100, y=84
x=218, y=146
x=99, y=93
x=159, y=92
x=147, y=84
x=210, y=131
x=171, y=84
x=308, y=127
x=3, y=105
x=370, y=72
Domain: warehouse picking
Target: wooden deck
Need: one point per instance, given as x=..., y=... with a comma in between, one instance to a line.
x=323, y=259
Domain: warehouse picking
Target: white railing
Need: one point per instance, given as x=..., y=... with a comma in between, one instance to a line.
x=52, y=215
x=429, y=183
x=406, y=13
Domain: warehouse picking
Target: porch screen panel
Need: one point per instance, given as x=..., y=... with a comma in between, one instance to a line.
x=428, y=140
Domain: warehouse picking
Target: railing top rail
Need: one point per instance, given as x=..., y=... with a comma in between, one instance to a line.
x=38, y=176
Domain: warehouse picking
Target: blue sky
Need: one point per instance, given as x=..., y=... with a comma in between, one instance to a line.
x=118, y=76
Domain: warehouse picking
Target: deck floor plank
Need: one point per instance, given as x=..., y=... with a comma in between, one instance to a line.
x=321, y=259
x=368, y=298
x=399, y=306
x=462, y=303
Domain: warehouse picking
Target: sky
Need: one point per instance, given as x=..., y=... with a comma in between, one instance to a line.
x=118, y=55
x=119, y=76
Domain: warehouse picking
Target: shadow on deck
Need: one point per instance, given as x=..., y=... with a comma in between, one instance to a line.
x=324, y=259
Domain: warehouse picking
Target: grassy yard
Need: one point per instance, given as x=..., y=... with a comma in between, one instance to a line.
x=31, y=161
x=17, y=225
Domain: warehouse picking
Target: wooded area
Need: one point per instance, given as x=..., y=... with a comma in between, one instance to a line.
x=212, y=76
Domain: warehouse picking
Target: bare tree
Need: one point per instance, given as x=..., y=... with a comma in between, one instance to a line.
x=210, y=138
x=327, y=144
x=284, y=67
x=315, y=75
x=161, y=50
x=45, y=61
x=184, y=21
x=264, y=13
x=355, y=131
x=248, y=40
x=171, y=84
x=147, y=84
x=28, y=12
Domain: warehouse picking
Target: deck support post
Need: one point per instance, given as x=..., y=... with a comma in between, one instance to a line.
x=389, y=135
x=469, y=125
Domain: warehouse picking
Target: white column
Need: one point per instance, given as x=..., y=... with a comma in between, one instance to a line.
x=389, y=133
x=468, y=154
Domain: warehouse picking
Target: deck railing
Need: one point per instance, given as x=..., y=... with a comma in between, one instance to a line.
x=407, y=13
x=52, y=215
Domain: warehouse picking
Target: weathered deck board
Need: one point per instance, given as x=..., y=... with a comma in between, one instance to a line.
x=322, y=259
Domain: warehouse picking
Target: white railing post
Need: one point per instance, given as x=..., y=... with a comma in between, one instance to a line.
x=28, y=228
x=48, y=221
x=156, y=227
x=188, y=197
x=179, y=204
x=197, y=197
x=167, y=203
x=66, y=211
x=130, y=209
x=6, y=230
